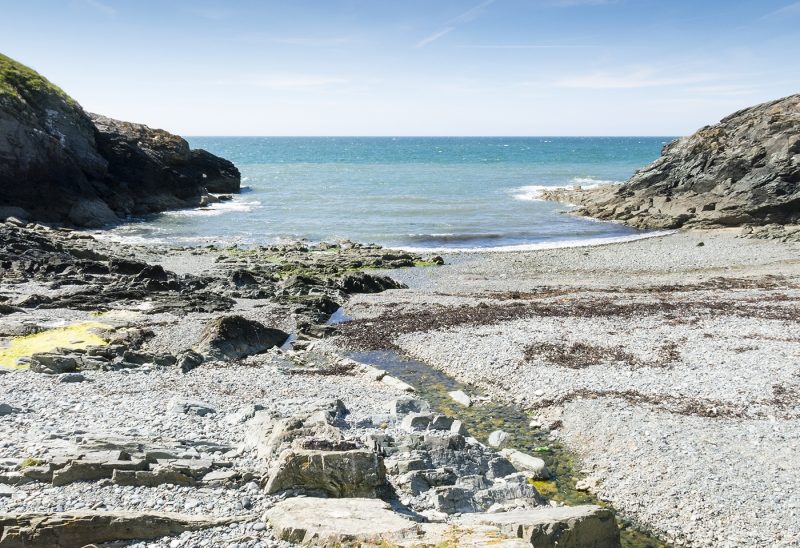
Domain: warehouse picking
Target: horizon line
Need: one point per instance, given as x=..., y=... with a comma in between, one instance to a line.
x=435, y=136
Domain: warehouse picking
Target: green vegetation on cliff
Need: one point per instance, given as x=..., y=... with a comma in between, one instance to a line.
x=22, y=83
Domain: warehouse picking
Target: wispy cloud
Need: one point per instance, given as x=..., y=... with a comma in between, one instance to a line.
x=101, y=7
x=469, y=15
x=641, y=78
x=529, y=46
x=435, y=36
x=786, y=11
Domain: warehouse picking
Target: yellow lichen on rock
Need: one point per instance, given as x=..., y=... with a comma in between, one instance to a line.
x=78, y=335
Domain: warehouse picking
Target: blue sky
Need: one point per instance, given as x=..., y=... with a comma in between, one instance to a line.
x=412, y=67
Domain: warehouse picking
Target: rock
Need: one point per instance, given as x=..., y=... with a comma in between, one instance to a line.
x=497, y=438
x=6, y=491
x=414, y=422
x=406, y=404
x=533, y=466
x=5, y=409
x=743, y=170
x=93, y=470
x=71, y=377
x=519, y=493
x=500, y=467
x=87, y=169
x=193, y=407
x=397, y=384
x=554, y=527
x=354, y=473
x=233, y=337
x=452, y=500
x=458, y=428
x=160, y=475
x=220, y=476
x=53, y=364
x=336, y=522
x=81, y=528
x=363, y=282
x=459, y=396
x=189, y=360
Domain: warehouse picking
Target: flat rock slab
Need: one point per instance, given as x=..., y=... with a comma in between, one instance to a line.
x=81, y=528
x=585, y=526
x=333, y=522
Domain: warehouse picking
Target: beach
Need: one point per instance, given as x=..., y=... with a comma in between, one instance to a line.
x=669, y=365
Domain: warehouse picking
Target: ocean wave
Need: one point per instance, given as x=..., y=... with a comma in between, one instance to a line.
x=585, y=242
x=451, y=237
x=533, y=193
x=217, y=209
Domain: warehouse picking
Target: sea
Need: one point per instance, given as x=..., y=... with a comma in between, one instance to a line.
x=416, y=193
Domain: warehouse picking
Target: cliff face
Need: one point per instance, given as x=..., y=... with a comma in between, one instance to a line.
x=744, y=170
x=60, y=164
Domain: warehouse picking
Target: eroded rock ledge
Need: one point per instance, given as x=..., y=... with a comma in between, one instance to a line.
x=60, y=164
x=743, y=170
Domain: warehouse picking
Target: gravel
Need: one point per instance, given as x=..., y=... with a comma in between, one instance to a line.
x=679, y=392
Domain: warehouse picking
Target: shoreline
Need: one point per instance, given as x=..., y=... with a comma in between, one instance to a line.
x=516, y=326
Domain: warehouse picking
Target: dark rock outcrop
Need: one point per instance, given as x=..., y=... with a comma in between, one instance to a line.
x=233, y=337
x=59, y=164
x=744, y=170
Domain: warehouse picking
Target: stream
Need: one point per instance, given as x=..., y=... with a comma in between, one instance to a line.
x=485, y=416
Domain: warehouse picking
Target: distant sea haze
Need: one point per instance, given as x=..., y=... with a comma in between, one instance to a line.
x=432, y=193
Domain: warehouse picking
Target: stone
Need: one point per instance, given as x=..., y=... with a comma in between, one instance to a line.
x=518, y=492
x=397, y=384
x=441, y=422
x=458, y=428
x=414, y=422
x=364, y=282
x=498, y=438
x=53, y=364
x=5, y=409
x=71, y=377
x=82, y=528
x=535, y=467
x=743, y=170
x=459, y=396
x=407, y=404
x=234, y=337
x=6, y=491
x=336, y=522
x=189, y=407
x=584, y=526
x=500, y=467
x=160, y=475
x=189, y=360
x=452, y=499
x=354, y=473
x=220, y=476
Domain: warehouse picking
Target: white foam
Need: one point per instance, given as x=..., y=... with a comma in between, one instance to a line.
x=586, y=242
x=533, y=193
x=214, y=210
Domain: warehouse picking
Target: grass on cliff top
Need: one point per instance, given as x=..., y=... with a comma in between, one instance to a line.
x=78, y=335
x=23, y=83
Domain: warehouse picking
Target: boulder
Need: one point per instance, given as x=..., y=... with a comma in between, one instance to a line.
x=233, y=337
x=497, y=438
x=82, y=528
x=532, y=466
x=353, y=473
x=336, y=522
x=362, y=282
x=52, y=363
x=743, y=170
x=459, y=396
x=554, y=527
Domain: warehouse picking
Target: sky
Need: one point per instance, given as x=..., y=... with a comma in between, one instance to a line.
x=412, y=67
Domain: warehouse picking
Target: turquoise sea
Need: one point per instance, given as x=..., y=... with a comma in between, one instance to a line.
x=431, y=193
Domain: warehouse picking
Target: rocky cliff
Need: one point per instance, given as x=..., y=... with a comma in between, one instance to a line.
x=59, y=164
x=743, y=170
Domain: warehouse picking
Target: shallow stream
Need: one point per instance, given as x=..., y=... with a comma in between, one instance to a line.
x=485, y=416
